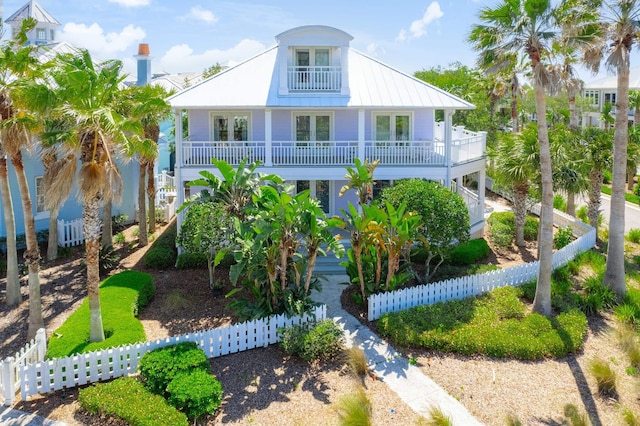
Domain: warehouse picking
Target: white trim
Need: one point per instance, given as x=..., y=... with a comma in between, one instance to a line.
x=43, y=214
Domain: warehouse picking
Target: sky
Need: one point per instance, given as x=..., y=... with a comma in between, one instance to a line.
x=189, y=36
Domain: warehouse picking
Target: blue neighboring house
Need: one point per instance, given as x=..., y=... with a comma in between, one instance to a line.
x=310, y=105
x=44, y=35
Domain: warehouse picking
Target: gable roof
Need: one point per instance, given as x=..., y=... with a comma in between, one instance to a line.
x=32, y=9
x=254, y=83
x=611, y=82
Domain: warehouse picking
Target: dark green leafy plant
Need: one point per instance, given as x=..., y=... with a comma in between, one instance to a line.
x=313, y=341
x=195, y=393
x=160, y=257
x=470, y=252
x=562, y=237
x=191, y=261
x=108, y=260
x=127, y=399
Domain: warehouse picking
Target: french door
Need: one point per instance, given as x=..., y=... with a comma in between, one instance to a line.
x=313, y=128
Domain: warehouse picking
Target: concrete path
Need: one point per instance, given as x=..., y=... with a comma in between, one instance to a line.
x=10, y=417
x=417, y=390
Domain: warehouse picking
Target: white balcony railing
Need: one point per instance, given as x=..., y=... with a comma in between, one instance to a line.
x=331, y=153
x=200, y=153
x=315, y=79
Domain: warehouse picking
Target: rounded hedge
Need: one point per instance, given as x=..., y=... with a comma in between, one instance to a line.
x=195, y=393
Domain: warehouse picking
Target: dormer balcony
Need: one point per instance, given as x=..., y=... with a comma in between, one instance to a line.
x=314, y=78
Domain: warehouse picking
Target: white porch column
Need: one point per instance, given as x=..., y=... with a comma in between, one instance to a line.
x=344, y=64
x=268, y=152
x=482, y=185
x=361, y=152
x=178, y=167
x=448, y=117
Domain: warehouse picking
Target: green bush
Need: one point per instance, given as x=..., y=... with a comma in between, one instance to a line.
x=191, y=261
x=596, y=297
x=562, y=237
x=505, y=218
x=470, y=252
x=195, y=393
x=501, y=235
x=634, y=236
x=162, y=365
x=312, y=341
x=160, y=257
x=607, y=177
x=122, y=296
x=531, y=226
x=494, y=324
x=605, y=376
x=559, y=203
x=127, y=399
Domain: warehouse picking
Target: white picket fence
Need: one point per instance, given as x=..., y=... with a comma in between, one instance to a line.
x=32, y=352
x=475, y=285
x=70, y=233
x=107, y=364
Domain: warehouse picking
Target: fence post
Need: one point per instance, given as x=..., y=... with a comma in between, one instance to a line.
x=41, y=344
x=8, y=380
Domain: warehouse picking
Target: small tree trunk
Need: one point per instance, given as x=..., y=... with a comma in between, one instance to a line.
x=595, y=189
x=91, y=226
x=631, y=174
x=142, y=209
x=13, y=279
x=107, y=224
x=520, y=193
x=52, y=244
x=151, y=196
x=573, y=115
x=571, y=203
x=313, y=254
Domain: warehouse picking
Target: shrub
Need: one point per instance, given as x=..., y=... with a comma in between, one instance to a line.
x=531, y=225
x=596, y=297
x=119, y=238
x=162, y=365
x=127, y=399
x=437, y=417
x=559, y=203
x=118, y=222
x=354, y=409
x=108, y=259
x=562, y=237
x=191, y=261
x=575, y=417
x=501, y=235
x=607, y=176
x=357, y=361
x=634, y=236
x=470, y=252
x=160, y=257
x=603, y=374
x=195, y=393
x=312, y=341
x=122, y=296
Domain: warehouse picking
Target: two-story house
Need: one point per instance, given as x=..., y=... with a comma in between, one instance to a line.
x=307, y=107
x=605, y=90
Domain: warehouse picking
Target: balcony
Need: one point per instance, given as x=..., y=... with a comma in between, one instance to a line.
x=467, y=147
x=314, y=79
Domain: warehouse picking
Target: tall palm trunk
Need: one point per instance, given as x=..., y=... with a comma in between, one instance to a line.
x=573, y=115
x=596, y=179
x=614, y=276
x=107, y=223
x=32, y=253
x=514, y=103
x=91, y=226
x=52, y=243
x=13, y=279
x=142, y=205
x=520, y=193
x=151, y=196
x=542, y=300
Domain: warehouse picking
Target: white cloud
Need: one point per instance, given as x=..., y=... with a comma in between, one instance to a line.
x=203, y=15
x=103, y=45
x=131, y=3
x=418, y=28
x=182, y=58
x=374, y=49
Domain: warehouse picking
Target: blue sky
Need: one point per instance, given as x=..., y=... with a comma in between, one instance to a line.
x=188, y=36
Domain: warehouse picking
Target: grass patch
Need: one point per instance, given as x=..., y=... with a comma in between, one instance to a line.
x=127, y=399
x=632, y=198
x=634, y=236
x=121, y=297
x=494, y=324
x=354, y=409
x=357, y=361
x=605, y=376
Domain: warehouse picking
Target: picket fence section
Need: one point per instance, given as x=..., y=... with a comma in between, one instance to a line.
x=70, y=233
x=107, y=364
x=475, y=285
x=32, y=352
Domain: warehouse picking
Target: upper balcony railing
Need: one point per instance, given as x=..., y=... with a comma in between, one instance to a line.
x=314, y=79
x=335, y=153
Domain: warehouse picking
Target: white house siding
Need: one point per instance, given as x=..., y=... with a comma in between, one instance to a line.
x=282, y=125
x=346, y=125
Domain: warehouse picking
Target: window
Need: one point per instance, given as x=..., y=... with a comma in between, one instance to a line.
x=379, y=186
x=52, y=34
x=611, y=98
x=40, y=205
x=313, y=127
x=593, y=96
x=393, y=127
x=320, y=189
x=230, y=127
x=41, y=34
x=312, y=69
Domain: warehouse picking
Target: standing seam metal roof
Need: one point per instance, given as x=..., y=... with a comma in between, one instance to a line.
x=32, y=9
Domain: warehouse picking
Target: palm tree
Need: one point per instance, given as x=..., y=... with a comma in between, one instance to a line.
x=569, y=80
x=606, y=116
x=633, y=155
x=567, y=175
x=13, y=279
x=19, y=65
x=86, y=94
x=595, y=148
x=618, y=30
x=634, y=102
x=360, y=178
x=529, y=27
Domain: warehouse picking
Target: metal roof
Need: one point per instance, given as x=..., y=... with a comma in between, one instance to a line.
x=32, y=9
x=611, y=82
x=254, y=83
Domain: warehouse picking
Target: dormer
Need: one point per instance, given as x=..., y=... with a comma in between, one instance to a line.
x=313, y=59
x=46, y=27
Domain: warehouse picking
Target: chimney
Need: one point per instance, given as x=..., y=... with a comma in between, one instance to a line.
x=144, y=64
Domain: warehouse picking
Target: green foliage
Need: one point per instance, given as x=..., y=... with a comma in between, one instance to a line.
x=159, y=257
x=575, y=417
x=470, y=252
x=354, y=409
x=494, y=324
x=629, y=311
x=501, y=235
x=159, y=367
x=118, y=222
x=119, y=238
x=559, y=203
x=630, y=418
x=531, y=226
x=604, y=375
x=108, y=259
x=191, y=261
x=357, y=361
x=608, y=176
x=437, y=417
x=562, y=237
x=127, y=399
x=195, y=393
x=634, y=236
x=313, y=341
x=596, y=297
x=122, y=296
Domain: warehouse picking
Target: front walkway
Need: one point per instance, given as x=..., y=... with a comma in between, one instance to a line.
x=11, y=417
x=417, y=390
